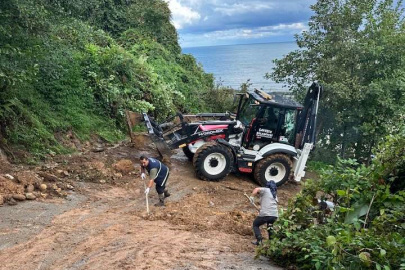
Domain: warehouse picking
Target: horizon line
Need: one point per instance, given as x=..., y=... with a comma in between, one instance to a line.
x=258, y=43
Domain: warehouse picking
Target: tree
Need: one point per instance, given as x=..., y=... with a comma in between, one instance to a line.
x=355, y=48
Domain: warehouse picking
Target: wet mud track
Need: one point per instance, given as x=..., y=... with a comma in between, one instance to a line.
x=204, y=225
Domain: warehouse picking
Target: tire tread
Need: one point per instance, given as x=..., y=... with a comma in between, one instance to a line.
x=263, y=162
x=198, y=160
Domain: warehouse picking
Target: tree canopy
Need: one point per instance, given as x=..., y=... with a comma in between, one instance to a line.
x=355, y=48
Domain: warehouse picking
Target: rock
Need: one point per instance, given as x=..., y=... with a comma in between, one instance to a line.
x=19, y=197
x=54, y=187
x=30, y=188
x=62, y=173
x=124, y=166
x=102, y=181
x=61, y=185
x=9, y=176
x=98, y=149
x=30, y=196
x=44, y=195
x=1, y=200
x=12, y=202
x=118, y=175
x=3, y=156
x=211, y=203
x=27, y=177
x=48, y=177
x=42, y=187
x=68, y=186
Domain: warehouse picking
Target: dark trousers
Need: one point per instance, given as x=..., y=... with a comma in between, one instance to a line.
x=259, y=221
x=159, y=188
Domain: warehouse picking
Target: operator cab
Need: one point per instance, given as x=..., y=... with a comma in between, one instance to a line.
x=267, y=119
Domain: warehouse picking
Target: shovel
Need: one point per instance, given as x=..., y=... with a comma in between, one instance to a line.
x=147, y=200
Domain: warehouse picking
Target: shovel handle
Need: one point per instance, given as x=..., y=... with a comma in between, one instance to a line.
x=252, y=203
x=147, y=200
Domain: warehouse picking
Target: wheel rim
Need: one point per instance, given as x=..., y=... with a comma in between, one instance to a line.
x=276, y=172
x=215, y=163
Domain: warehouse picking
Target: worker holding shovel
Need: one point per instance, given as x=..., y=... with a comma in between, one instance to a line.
x=158, y=173
x=268, y=212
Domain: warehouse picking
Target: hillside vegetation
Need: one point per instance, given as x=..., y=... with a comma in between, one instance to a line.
x=76, y=66
x=355, y=49
x=366, y=228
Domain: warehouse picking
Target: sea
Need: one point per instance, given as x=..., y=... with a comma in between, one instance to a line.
x=233, y=65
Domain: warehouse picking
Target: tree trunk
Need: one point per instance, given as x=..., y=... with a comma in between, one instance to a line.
x=318, y=130
x=342, y=152
x=359, y=146
x=370, y=149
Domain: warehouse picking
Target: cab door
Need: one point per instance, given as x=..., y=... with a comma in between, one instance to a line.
x=268, y=124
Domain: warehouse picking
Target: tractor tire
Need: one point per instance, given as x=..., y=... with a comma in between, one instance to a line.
x=213, y=161
x=188, y=153
x=275, y=167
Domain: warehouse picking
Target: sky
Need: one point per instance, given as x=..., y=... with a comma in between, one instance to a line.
x=226, y=22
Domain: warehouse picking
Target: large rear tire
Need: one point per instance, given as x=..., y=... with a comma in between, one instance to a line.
x=276, y=167
x=187, y=152
x=213, y=161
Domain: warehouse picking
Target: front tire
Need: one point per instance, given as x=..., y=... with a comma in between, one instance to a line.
x=213, y=161
x=276, y=167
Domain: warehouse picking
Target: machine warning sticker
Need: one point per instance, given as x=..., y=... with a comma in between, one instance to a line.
x=265, y=133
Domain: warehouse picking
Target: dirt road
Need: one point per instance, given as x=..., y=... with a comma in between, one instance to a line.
x=205, y=225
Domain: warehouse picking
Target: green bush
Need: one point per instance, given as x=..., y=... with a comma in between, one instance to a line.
x=366, y=230
x=77, y=66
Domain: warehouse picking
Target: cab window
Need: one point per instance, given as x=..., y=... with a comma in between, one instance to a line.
x=249, y=111
x=288, y=128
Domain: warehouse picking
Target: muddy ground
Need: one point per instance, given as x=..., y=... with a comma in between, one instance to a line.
x=93, y=216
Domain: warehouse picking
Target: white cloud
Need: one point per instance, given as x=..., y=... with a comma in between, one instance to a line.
x=282, y=26
x=220, y=22
x=237, y=8
x=258, y=32
x=182, y=15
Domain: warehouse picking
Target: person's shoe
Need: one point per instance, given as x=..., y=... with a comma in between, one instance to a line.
x=167, y=194
x=160, y=203
x=257, y=242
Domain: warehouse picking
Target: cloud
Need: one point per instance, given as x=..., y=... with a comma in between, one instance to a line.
x=182, y=15
x=238, y=8
x=236, y=21
x=259, y=32
x=294, y=26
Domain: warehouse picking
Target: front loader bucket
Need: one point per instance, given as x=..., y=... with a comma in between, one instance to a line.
x=134, y=119
x=163, y=149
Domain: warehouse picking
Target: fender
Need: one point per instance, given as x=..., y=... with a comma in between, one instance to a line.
x=277, y=148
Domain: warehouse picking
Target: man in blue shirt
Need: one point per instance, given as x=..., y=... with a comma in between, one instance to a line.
x=158, y=173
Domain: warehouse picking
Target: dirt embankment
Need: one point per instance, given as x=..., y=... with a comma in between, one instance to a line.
x=100, y=222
